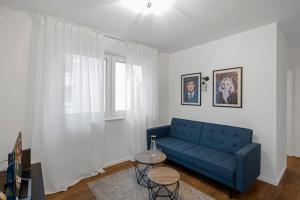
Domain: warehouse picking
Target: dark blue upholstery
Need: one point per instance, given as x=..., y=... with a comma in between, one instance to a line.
x=247, y=168
x=175, y=144
x=186, y=130
x=223, y=153
x=225, y=138
x=211, y=160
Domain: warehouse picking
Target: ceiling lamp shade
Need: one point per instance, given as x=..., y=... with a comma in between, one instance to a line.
x=148, y=6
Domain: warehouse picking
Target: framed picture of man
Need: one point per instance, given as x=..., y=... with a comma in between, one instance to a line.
x=191, y=89
x=227, y=87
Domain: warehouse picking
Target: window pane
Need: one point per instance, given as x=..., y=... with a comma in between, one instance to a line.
x=120, y=86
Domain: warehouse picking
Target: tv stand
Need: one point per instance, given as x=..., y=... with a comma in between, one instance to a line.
x=26, y=189
x=31, y=171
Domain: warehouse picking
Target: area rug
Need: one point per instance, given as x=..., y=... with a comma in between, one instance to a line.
x=123, y=186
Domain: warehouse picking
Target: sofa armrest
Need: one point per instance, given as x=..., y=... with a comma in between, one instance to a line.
x=160, y=132
x=247, y=166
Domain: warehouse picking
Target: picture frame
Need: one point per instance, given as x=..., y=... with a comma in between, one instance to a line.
x=191, y=89
x=228, y=87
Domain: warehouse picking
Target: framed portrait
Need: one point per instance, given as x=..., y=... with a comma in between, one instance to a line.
x=227, y=87
x=191, y=89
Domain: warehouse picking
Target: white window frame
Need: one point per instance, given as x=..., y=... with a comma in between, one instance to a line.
x=110, y=111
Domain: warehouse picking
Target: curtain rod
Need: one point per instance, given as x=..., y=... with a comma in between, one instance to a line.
x=108, y=35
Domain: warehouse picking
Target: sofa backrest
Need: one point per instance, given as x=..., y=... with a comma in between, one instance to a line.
x=225, y=138
x=186, y=130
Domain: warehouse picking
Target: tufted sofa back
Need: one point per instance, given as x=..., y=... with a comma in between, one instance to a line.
x=220, y=137
x=225, y=138
x=186, y=130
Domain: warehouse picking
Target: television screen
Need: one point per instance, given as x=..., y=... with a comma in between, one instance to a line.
x=18, y=164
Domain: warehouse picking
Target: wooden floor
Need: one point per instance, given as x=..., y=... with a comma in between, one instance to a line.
x=289, y=188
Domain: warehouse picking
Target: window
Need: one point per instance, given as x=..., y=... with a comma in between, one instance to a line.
x=115, y=85
x=115, y=95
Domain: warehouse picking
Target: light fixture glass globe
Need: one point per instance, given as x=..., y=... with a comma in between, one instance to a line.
x=142, y=6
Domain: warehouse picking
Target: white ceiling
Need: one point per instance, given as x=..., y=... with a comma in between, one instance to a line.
x=187, y=23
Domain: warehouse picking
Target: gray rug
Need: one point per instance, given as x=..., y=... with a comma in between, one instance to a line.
x=123, y=186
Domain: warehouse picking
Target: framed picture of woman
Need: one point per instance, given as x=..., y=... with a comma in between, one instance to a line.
x=227, y=87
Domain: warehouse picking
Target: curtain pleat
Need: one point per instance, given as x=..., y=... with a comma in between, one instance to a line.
x=142, y=94
x=68, y=116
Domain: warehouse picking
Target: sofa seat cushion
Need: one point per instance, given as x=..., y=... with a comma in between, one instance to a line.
x=174, y=145
x=216, y=162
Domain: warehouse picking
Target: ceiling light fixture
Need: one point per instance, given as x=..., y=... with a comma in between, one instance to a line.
x=148, y=6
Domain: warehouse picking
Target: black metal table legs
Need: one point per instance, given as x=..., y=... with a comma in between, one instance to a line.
x=141, y=173
x=170, y=192
x=155, y=190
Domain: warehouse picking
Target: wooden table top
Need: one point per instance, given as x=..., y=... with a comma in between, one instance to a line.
x=150, y=157
x=164, y=176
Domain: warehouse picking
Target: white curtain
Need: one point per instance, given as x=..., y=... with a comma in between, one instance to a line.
x=68, y=117
x=142, y=94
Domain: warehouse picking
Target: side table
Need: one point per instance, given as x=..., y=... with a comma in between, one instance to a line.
x=164, y=182
x=144, y=162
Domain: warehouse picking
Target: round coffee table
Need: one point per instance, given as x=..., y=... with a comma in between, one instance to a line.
x=144, y=162
x=164, y=182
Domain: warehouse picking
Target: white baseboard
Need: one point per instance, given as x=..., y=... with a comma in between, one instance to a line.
x=296, y=154
x=115, y=162
x=267, y=180
x=280, y=175
x=290, y=154
x=272, y=181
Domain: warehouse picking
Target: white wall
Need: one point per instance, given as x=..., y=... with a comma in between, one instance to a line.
x=163, y=66
x=294, y=142
x=290, y=113
x=255, y=51
x=296, y=135
x=15, y=44
x=15, y=38
x=284, y=63
x=293, y=114
x=116, y=149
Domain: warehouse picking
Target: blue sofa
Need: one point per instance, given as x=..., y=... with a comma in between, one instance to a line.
x=225, y=154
